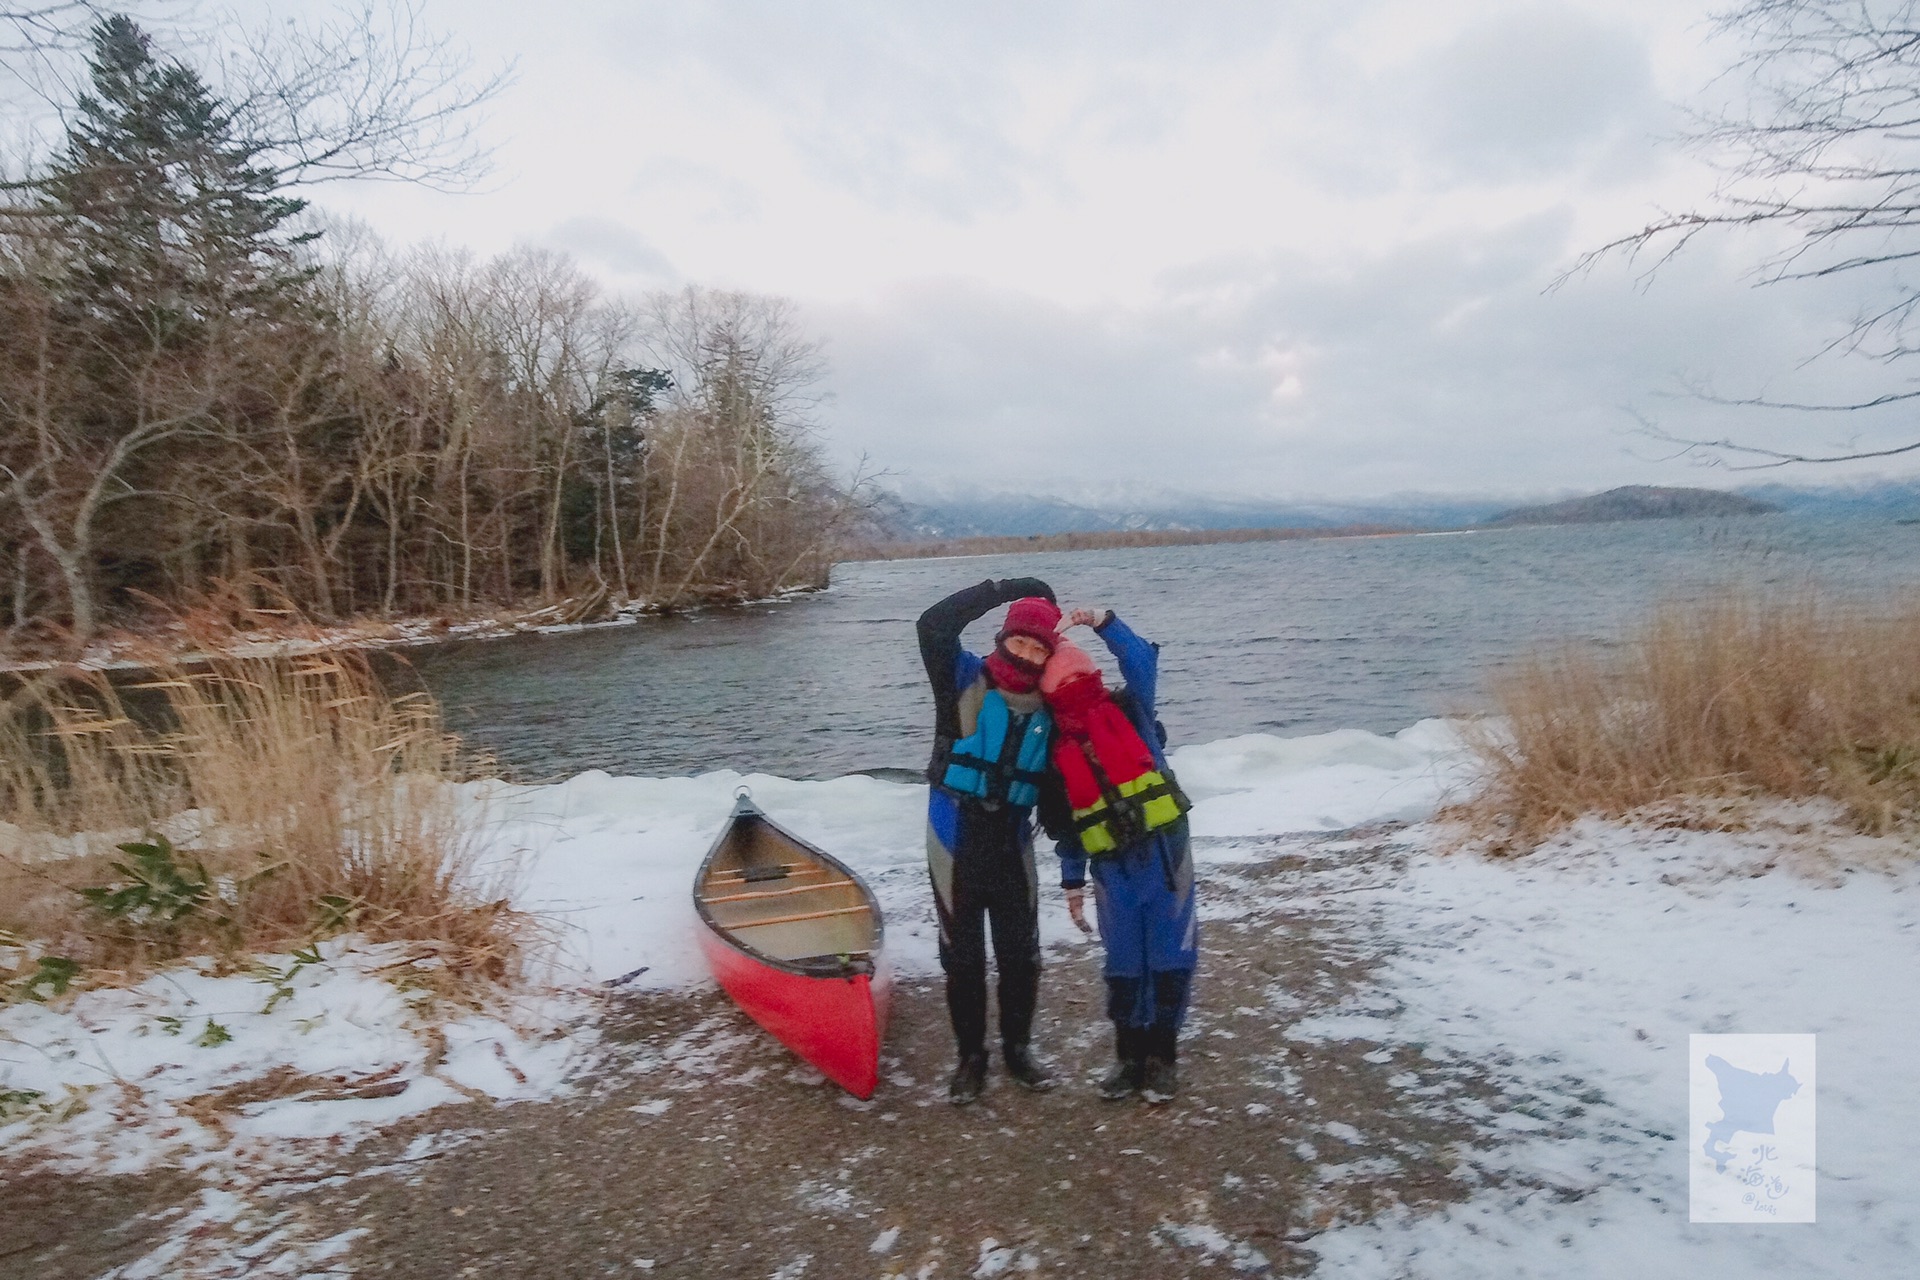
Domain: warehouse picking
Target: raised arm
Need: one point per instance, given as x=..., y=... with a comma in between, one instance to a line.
x=940, y=627
x=1139, y=661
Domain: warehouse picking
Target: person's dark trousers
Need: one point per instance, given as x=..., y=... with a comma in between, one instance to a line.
x=993, y=886
x=1165, y=1002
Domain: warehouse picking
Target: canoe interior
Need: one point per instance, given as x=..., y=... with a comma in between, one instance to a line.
x=777, y=897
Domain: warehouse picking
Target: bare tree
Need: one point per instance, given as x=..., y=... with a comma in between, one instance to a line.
x=366, y=92
x=201, y=402
x=369, y=93
x=741, y=462
x=1820, y=156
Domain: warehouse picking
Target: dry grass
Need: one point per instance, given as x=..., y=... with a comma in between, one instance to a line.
x=1728, y=697
x=302, y=797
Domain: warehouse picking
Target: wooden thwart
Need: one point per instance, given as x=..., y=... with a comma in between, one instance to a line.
x=775, y=893
x=804, y=915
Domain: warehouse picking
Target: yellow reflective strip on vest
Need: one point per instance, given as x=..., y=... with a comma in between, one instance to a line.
x=1096, y=838
x=1161, y=811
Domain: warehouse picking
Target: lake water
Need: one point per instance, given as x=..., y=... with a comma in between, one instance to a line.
x=1278, y=637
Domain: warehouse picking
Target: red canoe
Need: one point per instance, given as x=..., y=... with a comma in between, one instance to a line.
x=795, y=937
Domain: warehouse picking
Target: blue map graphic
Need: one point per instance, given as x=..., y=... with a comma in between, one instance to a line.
x=1748, y=1100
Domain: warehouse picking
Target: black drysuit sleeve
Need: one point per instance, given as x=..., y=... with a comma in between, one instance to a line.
x=940, y=628
x=1056, y=819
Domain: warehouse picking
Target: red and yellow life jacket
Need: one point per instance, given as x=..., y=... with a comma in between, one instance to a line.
x=1118, y=794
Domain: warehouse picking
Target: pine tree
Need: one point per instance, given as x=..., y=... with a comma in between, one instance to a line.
x=172, y=285
x=166, y=218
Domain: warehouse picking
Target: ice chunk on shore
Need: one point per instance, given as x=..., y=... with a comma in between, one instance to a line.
x=1259, y=785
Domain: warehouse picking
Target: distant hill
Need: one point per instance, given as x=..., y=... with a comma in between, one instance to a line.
x=1893, y=498
x=1637, y=502
x=1003, y=515
x=936, y=516
x=1099, y=540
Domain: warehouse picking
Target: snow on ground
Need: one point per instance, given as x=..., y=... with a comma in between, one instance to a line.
x=192, y=1069
x=614, y=858
x=168, y=1071
x=1583, y=970
x=255, y=1082
x=1576, y=975
x=1258, y=784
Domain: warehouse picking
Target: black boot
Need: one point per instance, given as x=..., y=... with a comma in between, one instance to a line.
x=1123, y=1081
x=969, y=1080
x=1159, y=1078
x=1026, y=1069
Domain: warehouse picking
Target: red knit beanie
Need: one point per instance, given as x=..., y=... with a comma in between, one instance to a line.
x=1034, y=616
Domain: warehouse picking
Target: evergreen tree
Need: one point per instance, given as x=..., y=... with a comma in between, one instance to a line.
x=166, y=218
x=172, y=291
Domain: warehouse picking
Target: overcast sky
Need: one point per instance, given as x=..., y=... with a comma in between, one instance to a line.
x=1245, y=249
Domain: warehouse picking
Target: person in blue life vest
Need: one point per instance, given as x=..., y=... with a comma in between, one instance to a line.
x=991, y=737
x=1115, y=809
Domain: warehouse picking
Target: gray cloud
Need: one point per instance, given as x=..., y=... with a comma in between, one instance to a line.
x=715, y=195
x=614, y=248
x=1536, y=91
x=925, y=107
x=1441, y=366
x=1336, y=283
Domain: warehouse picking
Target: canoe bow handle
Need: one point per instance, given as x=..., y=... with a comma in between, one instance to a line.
x=743, y=801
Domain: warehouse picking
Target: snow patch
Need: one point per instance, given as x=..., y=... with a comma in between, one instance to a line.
x=998, y=1259
x=1575, y=976
x=191, y=1065
x=1259, y=784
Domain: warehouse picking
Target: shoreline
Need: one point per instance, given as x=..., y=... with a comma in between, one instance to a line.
x=125, y=650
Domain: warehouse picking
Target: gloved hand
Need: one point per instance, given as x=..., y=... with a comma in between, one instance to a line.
x=1077, y=908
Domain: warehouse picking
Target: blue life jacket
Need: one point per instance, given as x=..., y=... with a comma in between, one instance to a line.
x=1004, y=759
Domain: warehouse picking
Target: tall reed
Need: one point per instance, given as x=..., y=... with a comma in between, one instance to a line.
x=1729, y=696
x=295, y=790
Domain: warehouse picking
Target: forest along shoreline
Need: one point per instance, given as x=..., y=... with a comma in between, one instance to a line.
x=239, y=406
x=233, y=624
x=200, y=636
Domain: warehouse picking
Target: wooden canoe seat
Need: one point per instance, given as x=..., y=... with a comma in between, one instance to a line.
x=765, y=871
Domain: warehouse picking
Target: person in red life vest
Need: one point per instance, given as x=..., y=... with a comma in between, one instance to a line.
x=1117, y=811
x=991, y=738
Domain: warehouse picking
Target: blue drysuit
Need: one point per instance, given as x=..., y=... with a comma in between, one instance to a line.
x=1143, y=892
